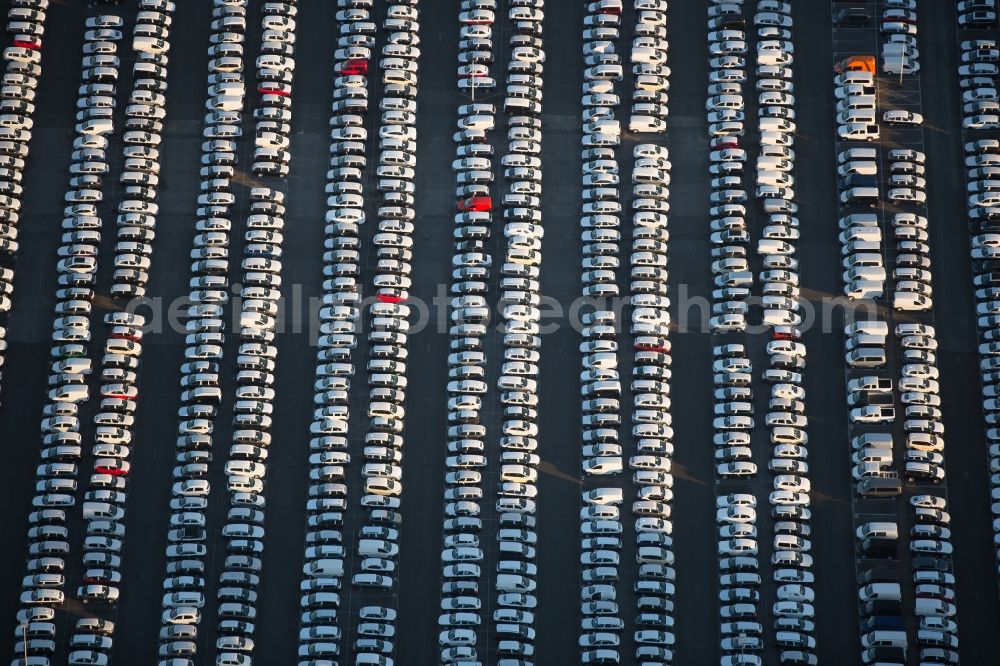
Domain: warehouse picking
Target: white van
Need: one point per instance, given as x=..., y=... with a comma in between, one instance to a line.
x=864, y=289
x=856, y=102
x=886, y=591
x=150, y=45
x=865, y=196
x=102, y=511
x=651, y=82
x=244, y=484
x=69, y=393
x=884, y=638
x=855, y=77
x=773, y=57
x=857, y=154
x=96, y=126
x=603, y=496
x=879, y=328
x=859, y=220
x=122, y=346
x=879, y=455
x=859, y=340
x=865, y=233
x=866, y=357
x=519, y=255
x=860, y=167
x=327, y=566
x=602, y=465
x=855, y=246
x=872, y=273
x=225, y=103
x=773, y=177
x=648, y=55
x=512, y=105
x=478, y=122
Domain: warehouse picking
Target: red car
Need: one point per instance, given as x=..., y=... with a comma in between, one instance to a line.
x=477, y=204
x=33, y=45
x=721, y=142
x=653, y=348
x=119, y=468
x=387, y=298
x=786, y=333
x=263, y=90
x=120, y=391
x=353, y=67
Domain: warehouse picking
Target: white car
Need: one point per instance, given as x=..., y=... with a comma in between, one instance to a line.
x=858, y=132
x=902, y=118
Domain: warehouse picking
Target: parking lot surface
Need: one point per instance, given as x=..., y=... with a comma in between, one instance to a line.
x=412, y=587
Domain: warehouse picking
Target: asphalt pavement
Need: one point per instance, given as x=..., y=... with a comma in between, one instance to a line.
x=418, y=592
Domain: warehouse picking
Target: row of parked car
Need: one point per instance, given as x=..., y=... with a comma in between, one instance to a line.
x=650, y=73
x=133, y=249
x=977, y=77
x=982, y=151
x=742, y=634
x=898, y=33
x=736, y=513
x=22, y=68
x=725, y=107
x=870, y=396
x=517, y=490
x=102, y=546
x=184, y=580
x=977, y=13
x=924, y=430
x=600, y=236
x=786, y=420
x=933, y=580
x=930, y=534
x=462, y=551
x=61, y=439
x=980, y=100
x=648, y=56
x=144, y=116
x=883, y=637
x=323, y=569
x=600, y=514
x=378, y=538
x=246, y=465
x=871, y=402
x=275, y=72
